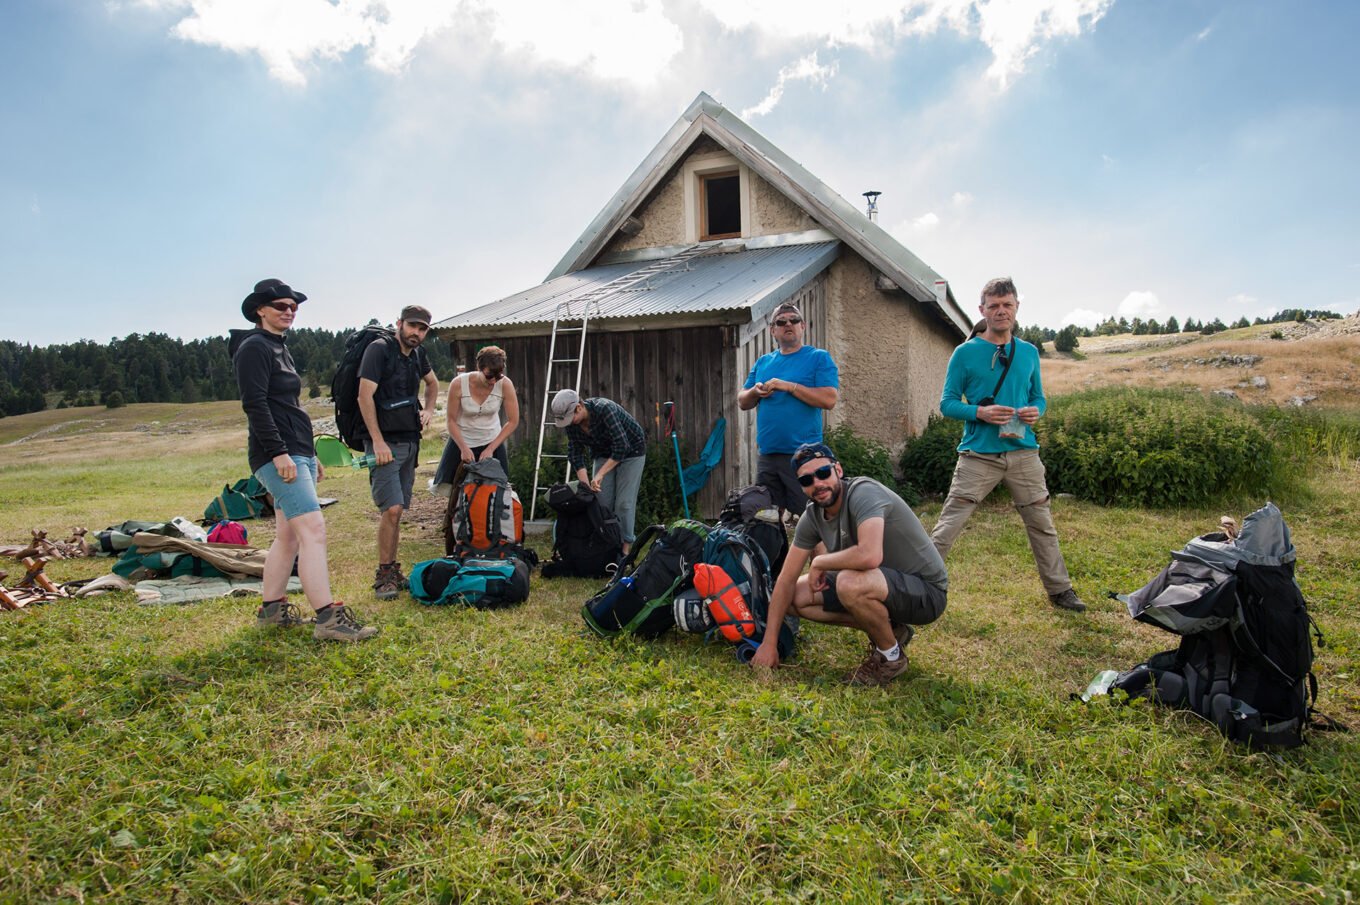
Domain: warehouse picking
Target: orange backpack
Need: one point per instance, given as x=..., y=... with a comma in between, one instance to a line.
x=485, y=513
x=724, y=599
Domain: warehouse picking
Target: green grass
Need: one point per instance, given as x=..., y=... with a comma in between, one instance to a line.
x=179, y=755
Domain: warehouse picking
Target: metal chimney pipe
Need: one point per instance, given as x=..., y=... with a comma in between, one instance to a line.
x=872, y=209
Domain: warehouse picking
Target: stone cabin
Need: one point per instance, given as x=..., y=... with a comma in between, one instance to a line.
x=676, y=278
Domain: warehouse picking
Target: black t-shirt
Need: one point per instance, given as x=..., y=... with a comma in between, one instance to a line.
x=397, y=376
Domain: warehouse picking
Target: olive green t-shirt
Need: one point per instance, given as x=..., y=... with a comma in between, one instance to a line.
x=906, y=545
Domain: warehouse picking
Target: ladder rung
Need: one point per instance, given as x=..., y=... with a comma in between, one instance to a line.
x=570, y=329
x=564, y=361
x=554, y=455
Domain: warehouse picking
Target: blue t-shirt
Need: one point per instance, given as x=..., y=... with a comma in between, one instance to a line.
x=784, y=423
x=974, y=369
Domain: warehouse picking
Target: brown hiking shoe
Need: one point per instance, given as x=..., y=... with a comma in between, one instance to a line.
x=279, y=613
x=904, y=633
x=337, y=623
x=1067, y=600
x=877, y=670
x=387, y=581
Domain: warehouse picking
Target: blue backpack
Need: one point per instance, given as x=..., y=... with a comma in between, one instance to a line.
x=485, y=584
x=737, y=554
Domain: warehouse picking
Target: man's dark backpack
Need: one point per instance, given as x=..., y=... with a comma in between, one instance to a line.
x=349, y=421
x=587, y=540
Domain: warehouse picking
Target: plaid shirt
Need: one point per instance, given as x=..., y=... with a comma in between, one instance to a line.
x=614, y=434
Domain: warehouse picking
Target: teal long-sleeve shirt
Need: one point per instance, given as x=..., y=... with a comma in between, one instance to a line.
x=971, y=376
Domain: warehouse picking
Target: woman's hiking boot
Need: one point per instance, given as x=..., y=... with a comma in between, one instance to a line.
x=279, y=613
x=337, y=623
x=388, y=581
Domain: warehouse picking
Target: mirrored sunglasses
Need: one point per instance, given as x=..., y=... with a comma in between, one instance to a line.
x=820, y=474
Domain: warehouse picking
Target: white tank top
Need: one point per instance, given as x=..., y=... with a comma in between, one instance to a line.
x=480, y=423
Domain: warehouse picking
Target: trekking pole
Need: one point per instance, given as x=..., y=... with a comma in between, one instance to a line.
x=668, y=412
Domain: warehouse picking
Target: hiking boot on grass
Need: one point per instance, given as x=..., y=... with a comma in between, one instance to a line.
x=279, y=613
x=1067, y=600
x=388, y=581
x=877, y=669
x=337, y=623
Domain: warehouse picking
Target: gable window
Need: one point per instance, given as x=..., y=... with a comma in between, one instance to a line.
x=717, y=197
x=720, y=205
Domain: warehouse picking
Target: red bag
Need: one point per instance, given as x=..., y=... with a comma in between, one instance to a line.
x=725, y=601
x=227, y=532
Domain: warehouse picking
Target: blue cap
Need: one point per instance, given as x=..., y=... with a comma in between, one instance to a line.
x=809, y=451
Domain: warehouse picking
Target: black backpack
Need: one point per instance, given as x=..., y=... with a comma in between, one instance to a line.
x=349, y=422
x=587, y=540
x=741, y=513
x=639, y=598
x=1245, y=660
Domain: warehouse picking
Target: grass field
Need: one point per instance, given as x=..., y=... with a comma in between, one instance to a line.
x=180, y=755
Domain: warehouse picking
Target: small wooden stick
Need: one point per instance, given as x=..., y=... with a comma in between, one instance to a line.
x=35, y=576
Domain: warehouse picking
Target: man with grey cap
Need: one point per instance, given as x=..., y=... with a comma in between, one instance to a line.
x=872, y=567
x=390, y=375
x=615, y=442
x=789, y=388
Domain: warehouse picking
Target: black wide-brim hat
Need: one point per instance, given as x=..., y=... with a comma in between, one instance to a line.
x=267, y=291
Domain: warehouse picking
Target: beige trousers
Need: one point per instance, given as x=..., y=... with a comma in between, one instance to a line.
x=974, y=477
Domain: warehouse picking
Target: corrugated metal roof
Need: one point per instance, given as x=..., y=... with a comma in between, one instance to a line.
x=716, y=282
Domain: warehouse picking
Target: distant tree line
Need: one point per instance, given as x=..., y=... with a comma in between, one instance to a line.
x=158, y=368
x=1066, y=339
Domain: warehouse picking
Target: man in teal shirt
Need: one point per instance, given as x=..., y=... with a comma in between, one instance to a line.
x=993, y=386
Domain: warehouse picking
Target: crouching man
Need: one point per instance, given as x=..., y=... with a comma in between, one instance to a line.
x=873, y=567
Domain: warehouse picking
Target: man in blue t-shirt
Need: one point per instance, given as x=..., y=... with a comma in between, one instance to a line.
x=993, y=387
x=789, y=388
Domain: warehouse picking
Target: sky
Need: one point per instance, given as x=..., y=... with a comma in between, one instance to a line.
x=1144, y=159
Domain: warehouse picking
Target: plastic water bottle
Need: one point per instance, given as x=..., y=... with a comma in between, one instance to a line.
x=1100, y=685
x=188, y=530
x=367, y=460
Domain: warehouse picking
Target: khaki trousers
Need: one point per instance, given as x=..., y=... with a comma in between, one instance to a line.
x=1023, y=473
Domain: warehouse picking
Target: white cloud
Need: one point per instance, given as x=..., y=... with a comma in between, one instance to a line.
x=1140, y=304
x=925, y=222
x=961, y=199
x=1014, y=30
x=1242, y=300
x=34, y=208
x=1108, y=162
x=1208, y=30
x=1083, y=317
x=612, y=39
x=807, y=69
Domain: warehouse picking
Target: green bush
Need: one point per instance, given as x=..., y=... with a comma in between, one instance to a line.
x=114, y=400
x=1154, y=448
x=861, y=456
x=927, y=461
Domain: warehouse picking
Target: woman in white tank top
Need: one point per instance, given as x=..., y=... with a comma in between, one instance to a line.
x=476, y=401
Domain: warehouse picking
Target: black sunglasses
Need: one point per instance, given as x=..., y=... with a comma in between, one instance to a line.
x=788, y=322
x=279, y=305
x=820, y=474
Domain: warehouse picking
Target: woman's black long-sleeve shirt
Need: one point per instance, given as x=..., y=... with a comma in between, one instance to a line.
x=271, y=397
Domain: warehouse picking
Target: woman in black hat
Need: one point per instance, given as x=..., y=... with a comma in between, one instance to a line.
x=283, y=459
